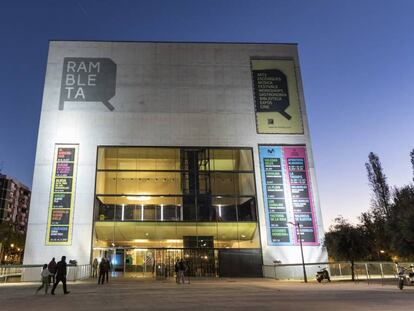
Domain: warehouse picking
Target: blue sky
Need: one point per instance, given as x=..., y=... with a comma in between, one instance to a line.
x=356, y=60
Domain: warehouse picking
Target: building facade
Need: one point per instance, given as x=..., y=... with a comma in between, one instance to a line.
x=151, y=151
x=14, y=203
x=14, y=215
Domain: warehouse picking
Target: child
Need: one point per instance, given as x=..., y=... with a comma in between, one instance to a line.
x=45, y=279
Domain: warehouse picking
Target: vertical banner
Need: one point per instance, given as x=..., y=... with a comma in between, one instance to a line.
x=276, y=96
x=287, y=195
x=62, y=196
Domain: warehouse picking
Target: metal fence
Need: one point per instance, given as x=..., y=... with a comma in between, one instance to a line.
x=337, y=270
x=19, y=273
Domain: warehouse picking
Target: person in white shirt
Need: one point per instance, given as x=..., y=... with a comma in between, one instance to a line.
x=45, y=274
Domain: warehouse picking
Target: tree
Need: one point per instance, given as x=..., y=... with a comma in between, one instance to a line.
x=374, y=221
x=400, y=223
x=345, y=241
x=379, y=186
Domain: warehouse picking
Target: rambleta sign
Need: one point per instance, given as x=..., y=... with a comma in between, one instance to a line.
x=88, y=80
x=276, y=97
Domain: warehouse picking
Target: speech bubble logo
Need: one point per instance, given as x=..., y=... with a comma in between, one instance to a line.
x=88, y=80
x=271, y=91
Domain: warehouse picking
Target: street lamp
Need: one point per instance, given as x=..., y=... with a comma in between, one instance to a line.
x=305, y=278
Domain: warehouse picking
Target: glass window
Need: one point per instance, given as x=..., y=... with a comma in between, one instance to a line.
x=107, y=158
x=127, y=159
x=244, y=161
x=245, y=184
x=222, y=184
x=226, y=209
x=189, y=208
x=246, y=209
x=222, y=160
x=205, y=210
x=176, y=197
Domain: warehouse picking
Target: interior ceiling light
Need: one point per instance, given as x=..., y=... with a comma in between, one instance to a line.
x=139, y=198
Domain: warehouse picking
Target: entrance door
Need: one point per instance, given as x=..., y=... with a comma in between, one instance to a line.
x=139, y=262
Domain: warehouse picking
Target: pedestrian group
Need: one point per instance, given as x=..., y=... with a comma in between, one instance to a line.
x=55, y=273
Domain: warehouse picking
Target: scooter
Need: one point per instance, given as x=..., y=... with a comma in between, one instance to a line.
x=405, y=276
x=322, y=274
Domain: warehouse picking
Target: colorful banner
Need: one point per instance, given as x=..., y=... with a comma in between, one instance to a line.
x=276, y=97
x=62, y=197
x=287, y=195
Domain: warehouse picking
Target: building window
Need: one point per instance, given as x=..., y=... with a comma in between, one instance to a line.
x=162, y=194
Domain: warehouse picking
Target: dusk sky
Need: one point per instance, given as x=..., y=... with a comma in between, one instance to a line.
x=357, y=62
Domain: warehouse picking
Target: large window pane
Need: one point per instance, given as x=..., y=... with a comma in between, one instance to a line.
x=226, y=209
x=106, y=183
x=222, y=160
x=245, y=184
x=222, y=184
x=107, y=158
x=246, y=209
x=244, y=161
x=189, y=208
x=158, y=159
x=138, y=183
x=126, y=183
x=127, y=159
x=205, y=210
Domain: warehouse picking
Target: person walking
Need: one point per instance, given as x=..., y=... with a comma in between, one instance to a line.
x=177, y=270
x=52, y=269
x=107, y=268
x=101, y=278
x=95, y=268
x=45, y=275
x=181, y=270
x=61, y=270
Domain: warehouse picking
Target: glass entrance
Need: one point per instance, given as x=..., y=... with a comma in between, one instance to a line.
x=160, y=263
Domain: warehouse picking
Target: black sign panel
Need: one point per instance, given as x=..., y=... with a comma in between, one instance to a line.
x=64, y=169
x=59, y=234
x=61, y=200
x=60, y=217
x=271, y=91
x=65, y=155
x=277, y=219
x=305, y=219
x=301, y=205
x=280, y=235
x=307, y=235
x=63, y=184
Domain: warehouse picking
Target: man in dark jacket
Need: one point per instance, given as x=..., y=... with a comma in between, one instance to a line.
x=61, y=270
x=52, y=269
x=107, y=268
x=102, y=266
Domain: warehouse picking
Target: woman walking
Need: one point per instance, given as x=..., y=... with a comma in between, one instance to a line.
x=45, y=274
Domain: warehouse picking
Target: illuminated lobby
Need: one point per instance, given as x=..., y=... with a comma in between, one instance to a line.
x=162, y=203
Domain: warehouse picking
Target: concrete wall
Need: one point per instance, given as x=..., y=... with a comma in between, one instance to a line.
x=167, y=94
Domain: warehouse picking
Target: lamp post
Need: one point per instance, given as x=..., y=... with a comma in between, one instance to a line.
x=305, y=278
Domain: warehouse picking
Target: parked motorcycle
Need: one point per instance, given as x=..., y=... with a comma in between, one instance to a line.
x=405, y=276
x=322, y=274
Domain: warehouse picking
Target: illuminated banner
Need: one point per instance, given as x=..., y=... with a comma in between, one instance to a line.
x=287, y=195
x=59, y=229
x=276, y=97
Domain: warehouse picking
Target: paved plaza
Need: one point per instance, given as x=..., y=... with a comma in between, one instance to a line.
x=220, y=294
